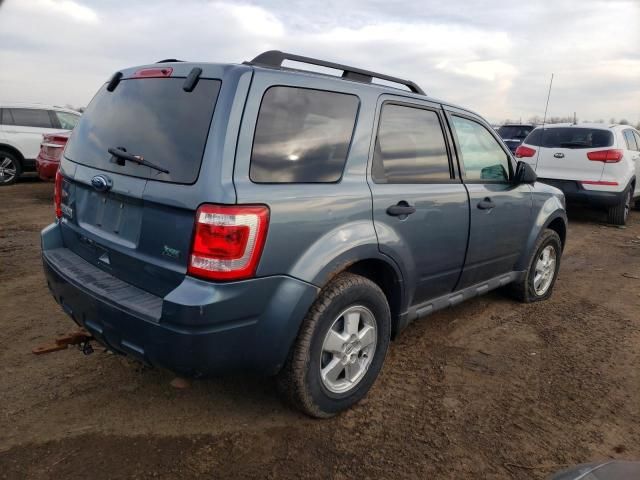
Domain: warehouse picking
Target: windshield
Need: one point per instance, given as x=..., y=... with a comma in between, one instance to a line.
x=570, y=137
x=152, y=118
x=519, y=132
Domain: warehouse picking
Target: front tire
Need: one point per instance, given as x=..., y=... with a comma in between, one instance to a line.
x=340, y=349
x=540, y=277
x=618, y=215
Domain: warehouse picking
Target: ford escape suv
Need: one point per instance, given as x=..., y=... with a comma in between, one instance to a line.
x=219, y=217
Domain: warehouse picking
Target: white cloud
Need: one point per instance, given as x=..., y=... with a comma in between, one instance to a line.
x=61, y=8
x=492, y=56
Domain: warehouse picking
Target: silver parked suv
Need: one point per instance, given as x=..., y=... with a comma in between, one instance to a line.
x=217, y=217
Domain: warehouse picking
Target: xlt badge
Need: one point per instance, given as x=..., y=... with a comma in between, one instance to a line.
x=170, y=252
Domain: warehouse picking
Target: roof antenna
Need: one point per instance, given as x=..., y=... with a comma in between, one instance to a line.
x=544, y=120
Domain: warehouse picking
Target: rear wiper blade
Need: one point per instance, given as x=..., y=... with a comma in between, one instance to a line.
x=122, y=153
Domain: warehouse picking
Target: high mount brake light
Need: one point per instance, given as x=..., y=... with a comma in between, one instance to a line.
x=153, y=72
x=613, y=155
x=228, y=241
x=524, y=152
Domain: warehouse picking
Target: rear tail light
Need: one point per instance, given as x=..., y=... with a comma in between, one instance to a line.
x=57, y=194
x=524, y=152
x=228, y=241
x=612, y=155
x=53, y=145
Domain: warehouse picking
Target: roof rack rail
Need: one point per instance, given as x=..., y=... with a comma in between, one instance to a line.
x=274, y=58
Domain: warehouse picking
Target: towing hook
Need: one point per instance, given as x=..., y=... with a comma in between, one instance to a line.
x=86, y=347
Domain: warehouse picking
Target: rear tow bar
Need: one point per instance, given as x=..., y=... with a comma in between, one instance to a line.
x=81, y=337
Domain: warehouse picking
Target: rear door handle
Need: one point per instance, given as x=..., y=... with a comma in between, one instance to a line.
x=486, y=204
x=401, y=209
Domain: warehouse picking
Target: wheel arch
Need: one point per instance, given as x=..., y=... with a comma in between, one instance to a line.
x=382, y=273
x=13, y=150
x=369, y=262
x=551, y=215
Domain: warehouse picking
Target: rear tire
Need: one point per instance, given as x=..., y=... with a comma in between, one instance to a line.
x=542, y=271
x=10, y=168
x=340, y=348
x=619, y=214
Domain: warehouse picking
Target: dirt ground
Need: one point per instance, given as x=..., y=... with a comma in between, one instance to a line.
x=489, y=389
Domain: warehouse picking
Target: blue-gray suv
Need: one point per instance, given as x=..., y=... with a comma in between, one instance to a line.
x=220, y=217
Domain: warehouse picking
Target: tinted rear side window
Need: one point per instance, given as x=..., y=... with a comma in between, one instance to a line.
x=519, y=132
x=570, y=137
x=153, y=118
x=410, y=147
x=630, y=140
x=31, y=117
x=302, y=136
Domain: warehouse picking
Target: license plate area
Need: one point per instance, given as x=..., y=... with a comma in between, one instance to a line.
x=110, y=216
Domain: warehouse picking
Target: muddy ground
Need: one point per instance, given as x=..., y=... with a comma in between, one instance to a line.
x=489, y=389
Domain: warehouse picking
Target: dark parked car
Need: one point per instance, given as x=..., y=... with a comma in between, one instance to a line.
x=513, y=134
x=218, y=217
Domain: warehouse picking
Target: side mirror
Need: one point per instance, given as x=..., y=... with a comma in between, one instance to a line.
x=525, y=173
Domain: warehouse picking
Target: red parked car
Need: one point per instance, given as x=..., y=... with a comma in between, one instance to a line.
x=51, y=149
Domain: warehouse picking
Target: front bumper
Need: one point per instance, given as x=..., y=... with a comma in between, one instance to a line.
x=575, y=193
x=200, y=328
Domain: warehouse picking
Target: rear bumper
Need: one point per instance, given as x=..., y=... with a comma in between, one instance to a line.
x=200, y=328
x=575, y=193
x=46, y=169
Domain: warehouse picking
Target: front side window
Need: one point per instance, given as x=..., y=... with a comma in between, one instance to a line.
x=302, y=136
x=31, y=117
x=410, y=147
x=482, y=156
x=630, y=140
x=67, y=120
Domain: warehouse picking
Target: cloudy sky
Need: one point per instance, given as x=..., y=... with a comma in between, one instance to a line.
x=493, y=56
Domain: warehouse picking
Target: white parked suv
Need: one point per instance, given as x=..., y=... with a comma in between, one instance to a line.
x=594, y=164
x=21, y=128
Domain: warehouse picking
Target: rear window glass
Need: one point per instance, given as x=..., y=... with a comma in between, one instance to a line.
x=516, y=132
x=302, y=136
x=153, y=118
x=570, y=137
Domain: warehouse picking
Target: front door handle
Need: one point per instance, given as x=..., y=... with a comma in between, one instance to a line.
x=401, y=209
x=486, y=204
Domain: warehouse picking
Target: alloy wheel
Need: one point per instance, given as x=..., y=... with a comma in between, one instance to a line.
x=8, y=169
x=545, y=270
x=348, y=349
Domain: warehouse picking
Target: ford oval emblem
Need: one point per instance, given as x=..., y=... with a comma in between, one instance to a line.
x=101, y=183
x=558, y=155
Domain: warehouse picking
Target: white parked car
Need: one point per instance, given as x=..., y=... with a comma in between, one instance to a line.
x=21, y=128
x=594, y=164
